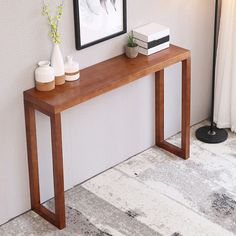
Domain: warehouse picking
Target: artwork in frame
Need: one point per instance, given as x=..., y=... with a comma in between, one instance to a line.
x=98, y=20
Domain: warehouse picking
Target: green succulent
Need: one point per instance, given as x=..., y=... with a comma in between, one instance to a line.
x=132, y=41
x=53, y=21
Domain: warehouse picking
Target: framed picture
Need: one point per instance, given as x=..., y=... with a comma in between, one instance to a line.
x=98, y=20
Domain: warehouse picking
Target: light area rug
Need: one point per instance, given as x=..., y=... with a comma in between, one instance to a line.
x=151, y=194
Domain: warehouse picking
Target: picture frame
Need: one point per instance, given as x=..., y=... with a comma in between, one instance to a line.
x=96, y=21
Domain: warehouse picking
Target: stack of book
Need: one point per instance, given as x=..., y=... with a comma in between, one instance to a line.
x=152, y=38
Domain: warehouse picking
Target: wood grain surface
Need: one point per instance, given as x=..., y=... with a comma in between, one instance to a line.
x=103, y=77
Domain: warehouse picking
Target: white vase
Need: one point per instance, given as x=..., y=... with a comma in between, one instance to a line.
x=44, y=76
x=71, y=69
x=58, y=65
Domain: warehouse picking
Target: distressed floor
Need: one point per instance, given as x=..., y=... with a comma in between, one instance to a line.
x=151, y=194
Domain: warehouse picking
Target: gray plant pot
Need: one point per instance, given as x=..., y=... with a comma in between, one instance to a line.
x=131, y=52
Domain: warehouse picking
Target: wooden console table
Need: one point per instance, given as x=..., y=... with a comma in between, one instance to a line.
x=97, y=80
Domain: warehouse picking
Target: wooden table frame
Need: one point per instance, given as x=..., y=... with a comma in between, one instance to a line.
x=91, y=85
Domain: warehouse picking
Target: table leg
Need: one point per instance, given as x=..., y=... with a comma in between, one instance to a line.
x=32, y=155
x=186, y=105
x=159, y=103
x=57, y=218
x=182, y=152
x=58, y=173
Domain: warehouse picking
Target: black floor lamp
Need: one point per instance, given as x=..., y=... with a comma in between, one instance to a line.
x=211, y=134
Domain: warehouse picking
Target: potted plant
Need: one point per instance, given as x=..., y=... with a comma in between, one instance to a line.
x=131, y=49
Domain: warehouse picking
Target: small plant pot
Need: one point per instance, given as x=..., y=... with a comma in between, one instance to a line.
x=131, y=52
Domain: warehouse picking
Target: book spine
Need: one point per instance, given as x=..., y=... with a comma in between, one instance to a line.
x=152, y=37
x=148, y=45
x=150, y=51
x=159, y=35
x=140, y=36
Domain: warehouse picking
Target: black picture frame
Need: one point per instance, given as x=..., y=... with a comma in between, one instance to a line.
x=78, y=44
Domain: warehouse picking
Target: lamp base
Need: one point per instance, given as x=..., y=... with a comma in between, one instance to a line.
x=205, y=134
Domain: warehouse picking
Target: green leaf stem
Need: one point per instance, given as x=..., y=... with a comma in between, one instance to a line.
x=53, y=21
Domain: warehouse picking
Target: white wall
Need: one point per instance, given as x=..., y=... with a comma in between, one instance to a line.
x=109, y=128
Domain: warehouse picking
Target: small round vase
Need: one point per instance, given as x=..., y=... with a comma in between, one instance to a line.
x=44, y=77
x=71, y=69
x=58, y=65
x=131, y=52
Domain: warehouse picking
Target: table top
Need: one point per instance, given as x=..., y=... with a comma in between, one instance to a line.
x=103, y=77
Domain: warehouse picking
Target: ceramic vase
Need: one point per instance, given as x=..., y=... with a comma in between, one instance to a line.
x=44, y=76
x=131, y=52
x=71, y=69
x=58, y=65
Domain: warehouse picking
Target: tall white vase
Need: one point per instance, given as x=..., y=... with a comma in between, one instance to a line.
x=58, y=65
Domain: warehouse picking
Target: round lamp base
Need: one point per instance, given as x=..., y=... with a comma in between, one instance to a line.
x=205, y=135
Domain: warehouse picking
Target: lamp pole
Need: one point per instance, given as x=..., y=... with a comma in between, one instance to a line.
x=211, y=134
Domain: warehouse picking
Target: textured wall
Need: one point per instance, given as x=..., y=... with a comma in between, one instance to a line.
x=105, y=130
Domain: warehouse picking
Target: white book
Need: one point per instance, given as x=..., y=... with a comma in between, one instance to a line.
x=150, y=51
x=151, y=32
